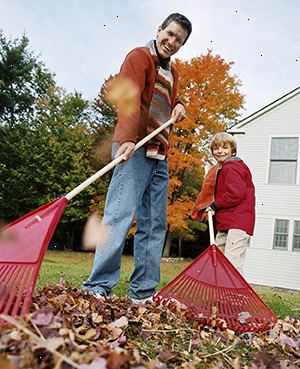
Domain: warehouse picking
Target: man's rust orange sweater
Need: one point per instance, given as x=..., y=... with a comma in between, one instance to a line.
x=138, y=66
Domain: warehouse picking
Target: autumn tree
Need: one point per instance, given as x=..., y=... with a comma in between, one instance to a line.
x=212, y=99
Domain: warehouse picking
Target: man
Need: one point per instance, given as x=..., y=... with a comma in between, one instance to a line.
x=139, y=185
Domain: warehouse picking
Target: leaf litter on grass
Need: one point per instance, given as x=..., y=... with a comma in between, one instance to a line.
x=69, y=328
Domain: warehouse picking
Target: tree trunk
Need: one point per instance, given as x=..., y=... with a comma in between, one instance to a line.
x=167, y=248
x=180, y=247
x=70, y=238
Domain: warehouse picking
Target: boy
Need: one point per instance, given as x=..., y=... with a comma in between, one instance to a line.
x=228, y=192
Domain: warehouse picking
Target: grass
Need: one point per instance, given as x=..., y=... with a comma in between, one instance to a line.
x=75, y=267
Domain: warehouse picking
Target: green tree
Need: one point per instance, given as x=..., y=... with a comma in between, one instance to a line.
x=46, y=140
x=23, y=78
x=49, y=156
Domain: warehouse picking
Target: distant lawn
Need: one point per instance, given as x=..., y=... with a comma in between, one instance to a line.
x=75, y=267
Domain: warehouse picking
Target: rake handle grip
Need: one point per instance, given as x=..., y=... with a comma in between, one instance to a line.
x=116, y=161
x=211, y=227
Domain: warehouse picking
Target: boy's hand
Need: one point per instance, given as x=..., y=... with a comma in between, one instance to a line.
x=206, y=212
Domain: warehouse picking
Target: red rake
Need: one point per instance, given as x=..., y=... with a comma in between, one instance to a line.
x=213, y=291
x=23, y=243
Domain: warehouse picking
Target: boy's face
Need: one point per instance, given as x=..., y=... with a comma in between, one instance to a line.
x=222, y=152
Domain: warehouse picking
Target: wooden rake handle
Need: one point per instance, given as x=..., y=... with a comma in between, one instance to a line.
x=211, y=228
x=116, y=161
x=212, y=237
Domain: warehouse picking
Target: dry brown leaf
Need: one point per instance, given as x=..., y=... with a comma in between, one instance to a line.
x=95, y=233
x=97, y=318
x=115, y=333
x=121, y=322
x=286, y=327
x=236, y=363
x=52, y=343
x=122, y=93
x=87, y=335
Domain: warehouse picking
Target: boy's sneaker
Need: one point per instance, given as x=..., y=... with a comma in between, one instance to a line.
x=142, y=301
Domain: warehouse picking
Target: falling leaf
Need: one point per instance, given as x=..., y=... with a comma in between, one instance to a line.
x=123, y=94
x=101, y=154
x=95, y=233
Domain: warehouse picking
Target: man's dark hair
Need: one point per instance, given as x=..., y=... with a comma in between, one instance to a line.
x=180, y=19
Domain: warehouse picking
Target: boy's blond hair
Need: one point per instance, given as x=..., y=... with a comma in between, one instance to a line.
x=222, y=138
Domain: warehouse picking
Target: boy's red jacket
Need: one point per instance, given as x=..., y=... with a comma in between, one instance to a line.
x=234, y=197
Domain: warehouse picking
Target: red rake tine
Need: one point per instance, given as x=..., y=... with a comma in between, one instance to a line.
x=21, y=255
x=220, y=285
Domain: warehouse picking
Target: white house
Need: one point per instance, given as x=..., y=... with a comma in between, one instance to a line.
x=268, y=141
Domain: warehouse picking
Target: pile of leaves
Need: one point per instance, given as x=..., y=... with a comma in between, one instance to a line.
x=68, y=328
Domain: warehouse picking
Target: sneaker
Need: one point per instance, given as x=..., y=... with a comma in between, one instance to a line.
x=142, y=301
x=99, y=295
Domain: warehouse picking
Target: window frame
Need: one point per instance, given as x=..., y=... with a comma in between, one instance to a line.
x=296, y=179
x=295, y=235
x=277, y=233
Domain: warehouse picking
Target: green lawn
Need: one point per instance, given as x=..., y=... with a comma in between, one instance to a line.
x=75, y=267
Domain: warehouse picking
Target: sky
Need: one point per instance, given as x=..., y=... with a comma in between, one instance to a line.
x=84, y=41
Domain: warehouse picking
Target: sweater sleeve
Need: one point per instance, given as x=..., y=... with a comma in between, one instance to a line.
x=233, y=188
x=133, y=68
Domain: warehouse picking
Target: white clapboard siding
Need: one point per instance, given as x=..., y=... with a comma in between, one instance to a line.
x=272, y=268
x=264, y=264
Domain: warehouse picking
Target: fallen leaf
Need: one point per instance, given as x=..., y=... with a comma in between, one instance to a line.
x=243, y=316
x=43, y=316
x=98, y=363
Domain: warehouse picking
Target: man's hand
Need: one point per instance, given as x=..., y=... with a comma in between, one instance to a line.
x=178, y=112
x=127, y=149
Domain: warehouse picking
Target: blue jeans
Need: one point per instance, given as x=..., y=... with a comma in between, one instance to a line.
x=138, y=187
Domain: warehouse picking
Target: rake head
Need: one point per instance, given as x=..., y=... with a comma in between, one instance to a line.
x=211, y=290
x=23, y=244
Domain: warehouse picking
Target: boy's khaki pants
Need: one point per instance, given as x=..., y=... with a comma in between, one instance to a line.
x=234, y=245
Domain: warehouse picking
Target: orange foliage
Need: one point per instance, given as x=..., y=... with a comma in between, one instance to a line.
x=212, y=100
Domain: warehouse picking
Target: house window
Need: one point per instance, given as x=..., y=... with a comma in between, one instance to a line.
x=283, y=160
x=296, y=236
x=281, y=234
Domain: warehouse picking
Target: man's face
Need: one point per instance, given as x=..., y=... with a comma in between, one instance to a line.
x=170, y=39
